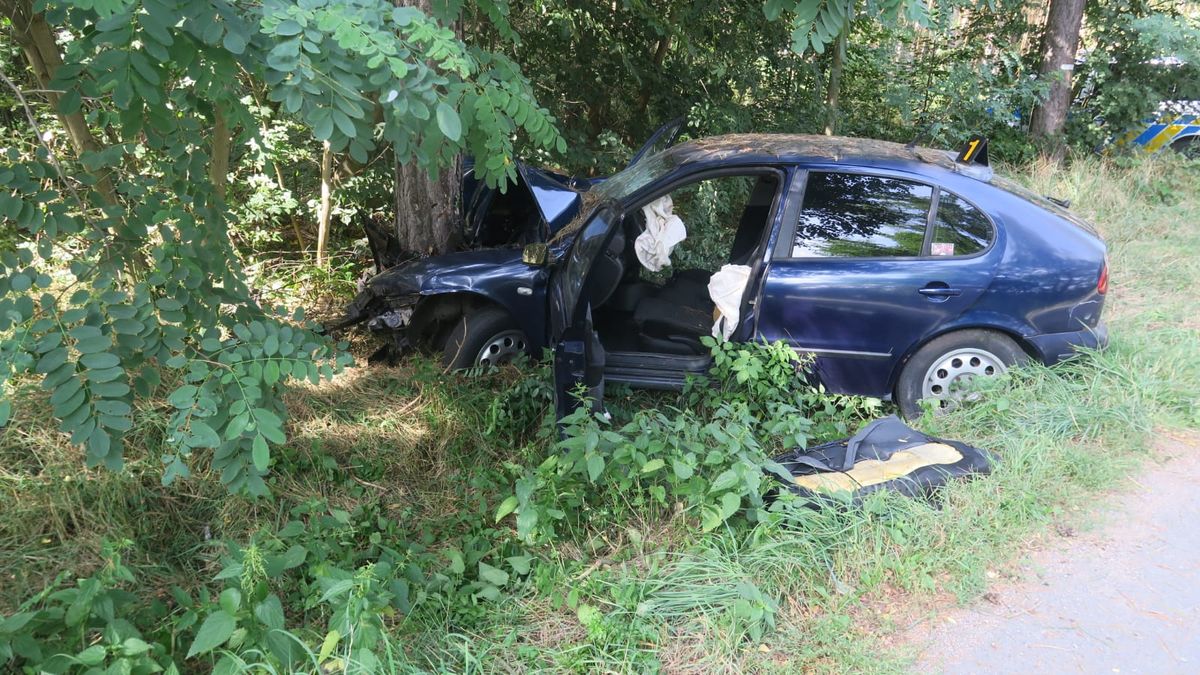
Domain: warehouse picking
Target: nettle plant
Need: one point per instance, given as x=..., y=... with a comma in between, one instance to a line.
x=707, y=458
x=122, y=279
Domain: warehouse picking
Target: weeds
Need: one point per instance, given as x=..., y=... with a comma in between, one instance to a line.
x=431, y=522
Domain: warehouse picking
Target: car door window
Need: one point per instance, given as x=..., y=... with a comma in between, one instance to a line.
x=959, y=228
x=849, y=215
x=580, y=259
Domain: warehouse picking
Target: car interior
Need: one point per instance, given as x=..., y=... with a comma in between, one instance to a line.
x=637, y=313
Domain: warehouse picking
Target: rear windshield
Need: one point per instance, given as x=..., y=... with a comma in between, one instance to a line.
x=1041, y=201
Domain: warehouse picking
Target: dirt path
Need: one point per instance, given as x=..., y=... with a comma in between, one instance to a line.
x=1123, y=597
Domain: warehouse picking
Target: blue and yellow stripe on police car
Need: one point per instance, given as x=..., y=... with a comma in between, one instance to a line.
x=1162, y=132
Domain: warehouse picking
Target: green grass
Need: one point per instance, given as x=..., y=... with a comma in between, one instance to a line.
x=432, y=454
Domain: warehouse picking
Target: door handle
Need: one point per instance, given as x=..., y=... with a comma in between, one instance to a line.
x=939, y=290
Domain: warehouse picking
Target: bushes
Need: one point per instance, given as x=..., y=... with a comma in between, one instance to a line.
x=705, y=458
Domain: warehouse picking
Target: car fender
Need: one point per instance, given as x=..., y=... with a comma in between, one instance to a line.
x=992, y=321
x=466, y=279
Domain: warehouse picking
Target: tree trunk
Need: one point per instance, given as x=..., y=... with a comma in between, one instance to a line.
x=37, y=42
x=326, y=208
x=218, y=167
x=428, y=218
x=1059, y=44
x=834, y=91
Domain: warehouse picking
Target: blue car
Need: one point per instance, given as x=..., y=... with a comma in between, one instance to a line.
x=904, y=271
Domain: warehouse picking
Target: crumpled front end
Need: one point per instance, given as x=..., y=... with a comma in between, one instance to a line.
x=386, y=306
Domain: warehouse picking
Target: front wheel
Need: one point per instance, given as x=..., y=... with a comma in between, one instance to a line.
x=483, y=337
x=940, y=369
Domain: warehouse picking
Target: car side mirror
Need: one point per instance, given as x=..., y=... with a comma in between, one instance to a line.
x=537, y=254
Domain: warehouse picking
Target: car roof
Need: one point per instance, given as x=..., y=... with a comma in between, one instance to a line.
x=826, y=149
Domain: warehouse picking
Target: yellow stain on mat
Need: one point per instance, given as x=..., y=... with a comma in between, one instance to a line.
x=873, y=471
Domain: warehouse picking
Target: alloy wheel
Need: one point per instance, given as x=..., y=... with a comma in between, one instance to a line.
x=945, y=379
x=501, y=349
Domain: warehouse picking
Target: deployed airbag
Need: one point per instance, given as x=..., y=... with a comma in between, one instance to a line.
x=664, y=231
x=885, y=454
x=726, y=289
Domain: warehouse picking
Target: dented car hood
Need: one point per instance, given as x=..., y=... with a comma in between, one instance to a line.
x=462, y=271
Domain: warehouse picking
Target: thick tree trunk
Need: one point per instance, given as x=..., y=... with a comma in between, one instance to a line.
x=428, y=218
x=325, y=211
x=1059, y=44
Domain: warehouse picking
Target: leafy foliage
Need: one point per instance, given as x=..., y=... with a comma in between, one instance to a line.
x=709, y=456
x=155, y=295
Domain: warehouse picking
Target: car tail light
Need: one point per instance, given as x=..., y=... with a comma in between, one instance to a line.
x=1102, y=283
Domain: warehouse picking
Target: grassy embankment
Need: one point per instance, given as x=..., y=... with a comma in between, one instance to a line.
x=432, y=456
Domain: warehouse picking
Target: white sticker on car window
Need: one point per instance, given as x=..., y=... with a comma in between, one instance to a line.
x=942, y=248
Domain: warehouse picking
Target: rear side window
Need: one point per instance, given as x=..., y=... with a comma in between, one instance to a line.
x=959, y=229
x=855, y=216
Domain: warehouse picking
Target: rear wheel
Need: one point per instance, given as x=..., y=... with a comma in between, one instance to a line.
x=483, y=337
x=940, y=370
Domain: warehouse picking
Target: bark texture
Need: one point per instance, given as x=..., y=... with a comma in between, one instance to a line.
x=833, y=91
x=218, y=167
x=428, y=218
x=326, y=208
x=37, y=42
x=428, y=213
x=1059, y=44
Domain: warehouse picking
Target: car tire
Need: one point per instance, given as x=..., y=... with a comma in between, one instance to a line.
x=483, y=337
x=948, y=359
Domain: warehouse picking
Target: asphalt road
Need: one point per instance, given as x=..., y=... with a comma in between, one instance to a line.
x=1123, y=597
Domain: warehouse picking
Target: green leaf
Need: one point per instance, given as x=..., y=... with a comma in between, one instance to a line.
x=93, y=344
x=230, y=600
x=322, y=126
x=270, y=612
x=595, y=466
x=234, y=42
x=506, y=507
x=520, y=563
x=203, y=435
x=215, y=630
x=133, y=646
x=448, y=121
x=730, y=501
x=92, y=656
x=100, y=360
x=52, y=360
x=6, y=414
x=260, y=453
x=288, y=28
x=343, y=122
x=329, y=644
x=653, y=465
x=492, y=575
x=20, y=282
x=184, y=397
x=293, y=557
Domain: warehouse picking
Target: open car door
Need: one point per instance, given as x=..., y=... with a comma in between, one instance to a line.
x=660, y=140
x=578, y=355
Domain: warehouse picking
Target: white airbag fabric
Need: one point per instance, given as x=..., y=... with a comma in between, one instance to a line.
x=726, y=288
x=664, y=231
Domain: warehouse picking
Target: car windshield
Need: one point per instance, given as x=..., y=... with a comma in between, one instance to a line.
x=621, y=186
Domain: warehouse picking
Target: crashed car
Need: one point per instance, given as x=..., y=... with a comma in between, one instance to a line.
x=904, y=271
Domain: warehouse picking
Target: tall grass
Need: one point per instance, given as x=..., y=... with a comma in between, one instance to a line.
x=811, y=590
